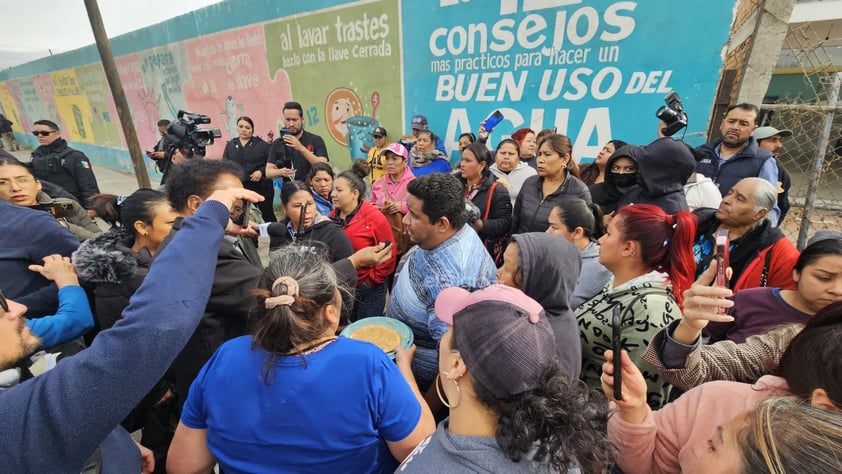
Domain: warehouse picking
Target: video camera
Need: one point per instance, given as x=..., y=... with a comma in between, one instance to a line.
x=672, y=114
x=186, y=132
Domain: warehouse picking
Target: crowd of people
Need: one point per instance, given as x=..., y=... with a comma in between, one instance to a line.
x=563, y=319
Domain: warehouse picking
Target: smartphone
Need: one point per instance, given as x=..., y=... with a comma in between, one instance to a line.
x=722, y=244
x=617, y=347
x=492, y=120
x=59, y=210
x=246, y=213
x=284, y=131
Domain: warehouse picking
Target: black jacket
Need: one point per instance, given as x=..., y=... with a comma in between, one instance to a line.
x=252, y=157
x=532, y=211
x=226, y=313
x=745, y=164
x=663, y=168
x=107, y=264
x=499, y=212
x=66, y=167
x=327, y=235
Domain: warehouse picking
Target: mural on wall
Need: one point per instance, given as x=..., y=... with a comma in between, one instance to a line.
x=8, y=92
x=45, y=100
x=142, y=98
x=595, y=70
x=231, y=78
x=104, y=122
x=343, y=65
x=73, y=107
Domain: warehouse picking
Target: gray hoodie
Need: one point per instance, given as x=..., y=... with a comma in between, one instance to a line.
x=514, y=179
x=551, y=267
x=593, y=277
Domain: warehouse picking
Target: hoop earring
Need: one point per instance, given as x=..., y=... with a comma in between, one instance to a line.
x=439, y=390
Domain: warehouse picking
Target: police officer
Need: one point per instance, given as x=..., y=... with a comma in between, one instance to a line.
x=57, y=163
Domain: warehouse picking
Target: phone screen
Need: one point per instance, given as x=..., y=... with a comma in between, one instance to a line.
x=617, y=346
x=722, y=262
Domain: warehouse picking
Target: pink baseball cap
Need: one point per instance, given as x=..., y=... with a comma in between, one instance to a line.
x=502, y=334
x=397, y=149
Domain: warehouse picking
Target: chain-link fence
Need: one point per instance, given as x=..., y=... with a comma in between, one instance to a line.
x=813, y=154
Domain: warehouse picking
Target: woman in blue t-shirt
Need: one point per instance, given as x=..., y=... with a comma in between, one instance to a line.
x=295, y=398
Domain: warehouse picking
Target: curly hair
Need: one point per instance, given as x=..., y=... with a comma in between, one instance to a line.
x=443, y=196
x=197, y=178
x=556, y=420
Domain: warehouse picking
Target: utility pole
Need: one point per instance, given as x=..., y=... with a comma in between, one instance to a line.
x=123, y=111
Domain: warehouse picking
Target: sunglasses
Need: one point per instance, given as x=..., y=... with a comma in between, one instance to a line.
x=377, y=136
x=43, y=133
x=3, y=303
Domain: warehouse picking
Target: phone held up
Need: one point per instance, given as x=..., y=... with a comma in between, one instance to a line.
x=495, y=118
x=722, y=244
x=616, y=347
x=246, y=213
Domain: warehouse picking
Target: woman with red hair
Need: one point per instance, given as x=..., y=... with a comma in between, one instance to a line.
x=649, y=254
x=525, y=138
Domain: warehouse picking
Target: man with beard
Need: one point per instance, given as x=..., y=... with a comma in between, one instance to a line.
x=737, y=155
x=292, y=155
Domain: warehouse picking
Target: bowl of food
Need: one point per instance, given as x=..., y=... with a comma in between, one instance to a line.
x=385, y=333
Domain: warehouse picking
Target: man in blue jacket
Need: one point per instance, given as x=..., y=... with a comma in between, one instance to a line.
x=59, y=420
x=737, y=155
x=26, y=237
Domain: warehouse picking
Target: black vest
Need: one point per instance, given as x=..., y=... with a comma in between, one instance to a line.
x=745, y=164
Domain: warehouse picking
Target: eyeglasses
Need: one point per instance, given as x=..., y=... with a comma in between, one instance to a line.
x=20, y=181
x=43, y=133
x=3, y=303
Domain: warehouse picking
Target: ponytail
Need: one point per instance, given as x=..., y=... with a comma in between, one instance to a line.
x=666, y=242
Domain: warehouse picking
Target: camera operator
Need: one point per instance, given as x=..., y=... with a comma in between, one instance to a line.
x=736, y=155
x=187, y=140
x=291, y=155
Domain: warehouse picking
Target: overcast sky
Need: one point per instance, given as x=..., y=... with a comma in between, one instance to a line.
x=31, y=28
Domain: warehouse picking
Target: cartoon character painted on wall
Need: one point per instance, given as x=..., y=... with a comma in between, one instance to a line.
x=341, y=104
x=231, y=113
x=347, y=125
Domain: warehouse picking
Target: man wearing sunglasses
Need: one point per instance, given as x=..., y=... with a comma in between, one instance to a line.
x=57, y=163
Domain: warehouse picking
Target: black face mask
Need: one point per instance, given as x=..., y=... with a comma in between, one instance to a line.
x=623, y=180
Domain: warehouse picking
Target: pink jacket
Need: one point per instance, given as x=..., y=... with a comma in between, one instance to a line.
x=673, y=438
x=384, y=189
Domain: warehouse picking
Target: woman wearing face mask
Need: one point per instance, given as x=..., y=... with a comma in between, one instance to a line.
x=425, y=158
x=620, y=176
x=580, y=223
x=528, y=146
x=509, y=168
x=251, y=153
x=594, y=173
x=676, y=438
x=365, y=226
